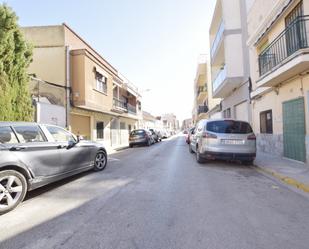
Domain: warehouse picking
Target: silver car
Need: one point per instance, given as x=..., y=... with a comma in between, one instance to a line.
x=33, y=155
x=223, y=139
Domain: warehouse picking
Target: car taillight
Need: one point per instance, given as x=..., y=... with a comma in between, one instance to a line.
x=251, y=137
x=209, y=135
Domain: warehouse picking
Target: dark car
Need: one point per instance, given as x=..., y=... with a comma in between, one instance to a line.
x=33, y=155
x=156, y=135
x=140, y=137
x=189, y=134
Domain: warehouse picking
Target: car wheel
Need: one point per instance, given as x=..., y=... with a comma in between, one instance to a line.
x=13, y=188
x=148, y=143
x=248, y=162
x=131, y=145
x=100, y=161
x=199, y=159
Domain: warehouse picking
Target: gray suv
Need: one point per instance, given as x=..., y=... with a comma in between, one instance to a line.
x=33, y=155
x=223, y=139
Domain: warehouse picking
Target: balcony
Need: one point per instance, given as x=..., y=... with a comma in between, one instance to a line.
x=202, y=109
x=217, y=40
x=201, y=93
x=131, y=109
x=221, y=76
x=119, y=105
x=287, y=55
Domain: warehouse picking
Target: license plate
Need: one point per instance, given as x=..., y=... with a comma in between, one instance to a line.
x=232, y=141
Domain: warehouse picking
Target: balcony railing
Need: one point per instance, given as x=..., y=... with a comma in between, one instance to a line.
x=202, y=109
x=217, y=39
x=119, y=104
x=131, y=109
x=219, y=79
x=292, y=39
x=201, y=89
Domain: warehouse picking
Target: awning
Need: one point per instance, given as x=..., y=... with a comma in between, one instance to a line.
x=101, y=71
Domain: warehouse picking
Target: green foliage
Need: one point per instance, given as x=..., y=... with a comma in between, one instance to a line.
x=15, y=57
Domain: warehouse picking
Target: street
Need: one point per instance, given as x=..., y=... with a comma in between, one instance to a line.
x=159, y=197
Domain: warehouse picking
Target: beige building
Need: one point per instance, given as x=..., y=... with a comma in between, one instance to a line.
x=200, y=105
x=279, y=59
x=229, y=59
x=100, y=103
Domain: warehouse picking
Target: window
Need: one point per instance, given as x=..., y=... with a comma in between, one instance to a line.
x=266, y=122
x=101, y=82
x=29, y=134
x=60, y=135
x=7, y=136
x=122, y=126
x=229, y=126
x=227, y=113
x=100, y=130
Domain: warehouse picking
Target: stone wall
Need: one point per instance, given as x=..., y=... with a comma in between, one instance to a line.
x=270, y=143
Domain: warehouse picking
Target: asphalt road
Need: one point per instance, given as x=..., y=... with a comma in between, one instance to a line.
x=159, y=197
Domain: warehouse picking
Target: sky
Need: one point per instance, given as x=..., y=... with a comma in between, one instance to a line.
x=154, y=43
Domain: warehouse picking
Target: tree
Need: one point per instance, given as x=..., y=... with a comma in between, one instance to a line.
x=15, y=57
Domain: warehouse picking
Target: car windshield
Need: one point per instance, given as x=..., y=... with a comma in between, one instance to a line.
x=137, y=132
x=229, y=126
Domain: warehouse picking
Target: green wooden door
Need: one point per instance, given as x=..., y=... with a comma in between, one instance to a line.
x=294, y=129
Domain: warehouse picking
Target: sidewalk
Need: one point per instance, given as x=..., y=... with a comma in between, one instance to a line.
x=290, y=172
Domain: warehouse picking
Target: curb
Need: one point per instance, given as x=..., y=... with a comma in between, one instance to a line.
x=285, y=179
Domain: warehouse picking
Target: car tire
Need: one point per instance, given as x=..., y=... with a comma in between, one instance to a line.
x=247, y=162
x=13, y=189
x=199, y=159
x=148, y=143
x=131, y=145
x=190, y=149
x=100, y=161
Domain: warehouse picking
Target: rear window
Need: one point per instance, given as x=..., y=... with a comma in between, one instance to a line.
x=229, y=126
x=137, y=132
x=7, y=136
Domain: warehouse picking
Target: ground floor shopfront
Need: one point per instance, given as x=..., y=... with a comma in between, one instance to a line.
x=110, y=129
x=280, y=120
x=237, y=104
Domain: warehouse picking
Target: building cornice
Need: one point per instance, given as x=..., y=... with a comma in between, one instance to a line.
x=269, y=20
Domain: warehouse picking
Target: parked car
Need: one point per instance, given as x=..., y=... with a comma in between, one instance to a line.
x=156, y=135
x=223, y=139
x=33, y=155
x=190, y=133
x=140, y=137
x=166, y=134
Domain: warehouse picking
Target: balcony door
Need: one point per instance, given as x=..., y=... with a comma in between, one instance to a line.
x=295, y=30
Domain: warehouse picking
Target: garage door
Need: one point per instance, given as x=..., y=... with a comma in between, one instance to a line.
x=241, y=111
x=80, y=125
x=294, y=129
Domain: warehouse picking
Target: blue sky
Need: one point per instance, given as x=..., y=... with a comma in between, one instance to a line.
x=154, y=43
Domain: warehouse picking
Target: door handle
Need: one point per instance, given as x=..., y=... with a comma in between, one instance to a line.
x=18, y=148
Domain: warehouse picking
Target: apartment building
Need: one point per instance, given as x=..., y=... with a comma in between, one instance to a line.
x=279, y=58
x=200, y=106
x=170, y=122
x=100, y=104
x=229, y=60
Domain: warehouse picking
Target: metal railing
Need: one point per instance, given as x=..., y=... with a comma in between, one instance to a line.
x=201, y=89
x=219, y=79
x=119, y=104
x=202, y=109
x=292, y=39
x=217, y=39
x=131, y=108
